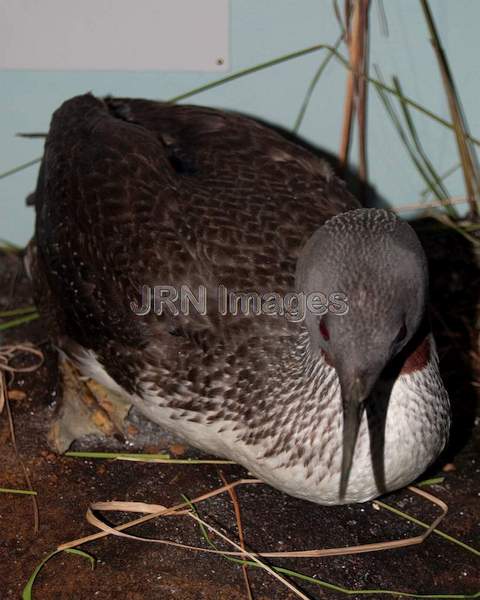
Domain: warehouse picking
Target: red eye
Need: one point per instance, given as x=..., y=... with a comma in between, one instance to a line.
x=324, y=331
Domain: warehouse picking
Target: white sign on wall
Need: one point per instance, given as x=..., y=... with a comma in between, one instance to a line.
x=138, y=35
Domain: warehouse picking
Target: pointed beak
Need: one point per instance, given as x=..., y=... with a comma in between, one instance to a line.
x=353, y=396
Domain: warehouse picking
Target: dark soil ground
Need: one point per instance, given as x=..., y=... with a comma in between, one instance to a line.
x=135, y=570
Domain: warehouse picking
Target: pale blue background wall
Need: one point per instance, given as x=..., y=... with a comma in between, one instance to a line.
x=261, y=30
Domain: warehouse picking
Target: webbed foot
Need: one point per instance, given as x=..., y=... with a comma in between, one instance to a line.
x=87, y=408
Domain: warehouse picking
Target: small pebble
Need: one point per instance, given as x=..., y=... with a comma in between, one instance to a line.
x=16, y=395
x=101, y=469
x=449, y=467
x=132, y=431
x=48, y=456
x=177, y=449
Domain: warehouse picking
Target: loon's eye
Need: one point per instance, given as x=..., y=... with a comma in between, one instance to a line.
x=402, y=332
x=324, y=331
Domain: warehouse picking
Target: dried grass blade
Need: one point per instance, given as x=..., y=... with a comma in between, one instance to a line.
x=140, y=507
x=163, y=511
x=426, y=205
x=36, y=512
x=241, y=538
x=470, y=167
x=441, y=217
x=362, y=90
x=167, y=511
x=3, y=392
x=353, y=24
x=7, y=353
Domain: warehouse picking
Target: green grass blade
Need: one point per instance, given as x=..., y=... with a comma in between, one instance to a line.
x=313, y=84
x=443, y=176
x=416, y=139
x=203, y=529
x=412, y=103
x=114, y=455
x=20, y=321
x=28, y=589
x=17, y=311
x=426, y=526
x=250, y=70
x=279, y=60
x=21, y=167
x=403, y=136
x=432, y=481
x=6, y=246
x=439, y=189
x=340, y=58
x=337, y=588
x=16, y=491
x=179, y=461
x=131, y=456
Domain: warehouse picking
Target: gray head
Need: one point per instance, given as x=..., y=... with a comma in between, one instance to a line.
x=378, y=262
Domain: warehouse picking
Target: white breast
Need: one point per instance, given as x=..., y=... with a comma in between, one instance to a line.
x=416, y=430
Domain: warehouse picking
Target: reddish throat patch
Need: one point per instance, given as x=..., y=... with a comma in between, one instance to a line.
x=418, y=359
x=415, y=361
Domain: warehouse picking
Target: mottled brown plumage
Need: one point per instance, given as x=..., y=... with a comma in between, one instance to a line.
x=134, y=193
x=178, y=196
